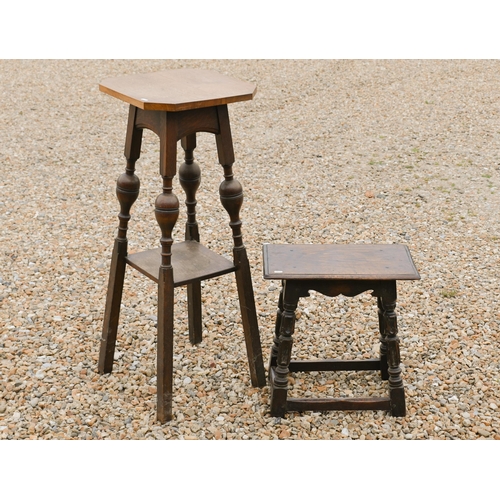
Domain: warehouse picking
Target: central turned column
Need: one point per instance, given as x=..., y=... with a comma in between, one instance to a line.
x=190, y=180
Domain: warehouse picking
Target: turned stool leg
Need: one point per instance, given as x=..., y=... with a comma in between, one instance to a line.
x=127, y=192
x=383, y=340
x=279, y=377
x=396, y=388
x=166, y=212
x=231, y=196
x=190, y=178
x=277, y=329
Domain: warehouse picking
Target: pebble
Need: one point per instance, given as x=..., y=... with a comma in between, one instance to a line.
x=355, y=151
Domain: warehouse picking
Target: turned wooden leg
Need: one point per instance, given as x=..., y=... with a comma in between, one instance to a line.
x=383, y=340
x=127, y=191
x=279, y=376
x=190, y=178
x=396, y=389
x=166, y=212
x=277, y=328
x=231, y=196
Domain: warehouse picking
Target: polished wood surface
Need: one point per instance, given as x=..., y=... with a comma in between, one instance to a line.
x=178, y=89
x=339, y=262
x=335, y=270
x=191, y=262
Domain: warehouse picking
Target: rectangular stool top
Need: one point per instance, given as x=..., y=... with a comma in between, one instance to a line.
x=342, y=262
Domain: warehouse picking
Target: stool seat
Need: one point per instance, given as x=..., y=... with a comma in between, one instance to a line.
x=337, y=270
x=339, y=262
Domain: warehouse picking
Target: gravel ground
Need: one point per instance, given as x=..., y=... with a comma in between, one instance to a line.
x=328, y=152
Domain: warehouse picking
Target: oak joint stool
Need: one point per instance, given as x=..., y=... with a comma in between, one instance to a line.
x=334, y=270
x=176, y=105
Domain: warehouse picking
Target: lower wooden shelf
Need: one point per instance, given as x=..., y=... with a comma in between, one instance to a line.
x=191, y=262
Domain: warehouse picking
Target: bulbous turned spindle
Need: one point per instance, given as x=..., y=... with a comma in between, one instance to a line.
x=190, y=179
x=231, y=197
x=166, y=213
x=127, y=192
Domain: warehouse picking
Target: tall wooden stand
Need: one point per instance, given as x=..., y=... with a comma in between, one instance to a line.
x=176, y=105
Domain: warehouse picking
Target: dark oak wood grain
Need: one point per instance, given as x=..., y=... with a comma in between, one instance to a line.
x=337, y=270
x=339, y=262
